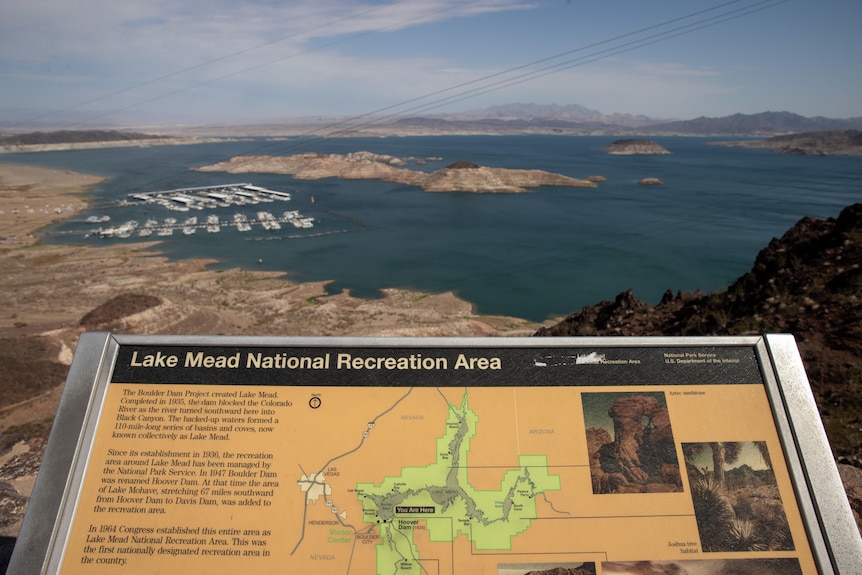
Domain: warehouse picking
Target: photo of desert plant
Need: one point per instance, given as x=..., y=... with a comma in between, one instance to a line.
x=630, y=443
x=735, y=496
x=783, y=566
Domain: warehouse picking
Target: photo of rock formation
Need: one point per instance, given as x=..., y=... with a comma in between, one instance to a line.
x=547, y=569
x=630, y=443
x=783, y=566
x=735, y=496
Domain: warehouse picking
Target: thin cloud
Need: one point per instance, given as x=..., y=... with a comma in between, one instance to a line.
x=667, y=69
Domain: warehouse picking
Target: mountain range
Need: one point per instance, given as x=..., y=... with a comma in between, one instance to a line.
x=576, y=119
x=515, y=118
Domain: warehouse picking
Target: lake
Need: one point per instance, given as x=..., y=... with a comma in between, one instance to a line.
x=545, y=253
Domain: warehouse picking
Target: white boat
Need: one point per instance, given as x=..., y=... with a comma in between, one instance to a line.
x=241, y=222
x=213, y=224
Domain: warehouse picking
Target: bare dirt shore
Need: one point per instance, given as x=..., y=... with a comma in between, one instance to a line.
x=46, y=290
x=50, y=287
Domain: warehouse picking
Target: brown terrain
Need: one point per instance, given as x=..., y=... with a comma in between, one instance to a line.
x=807, y=283
x=635, y=146
x=90, y=139
x=460, y=176
x=827, y=143
x=641, y=457
x=585, y=569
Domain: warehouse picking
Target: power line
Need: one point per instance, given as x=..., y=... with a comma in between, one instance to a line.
x=247, y=69
x=600, y=55
x=373, y=118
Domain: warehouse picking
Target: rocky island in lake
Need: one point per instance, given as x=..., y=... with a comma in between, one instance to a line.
x=635, y=146
x=460, y=176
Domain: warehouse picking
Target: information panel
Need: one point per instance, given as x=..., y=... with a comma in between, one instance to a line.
x=432, y=456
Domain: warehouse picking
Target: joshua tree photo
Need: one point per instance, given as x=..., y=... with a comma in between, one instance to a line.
x=735, y=496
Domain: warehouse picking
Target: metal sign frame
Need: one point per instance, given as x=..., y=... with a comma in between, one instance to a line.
x=103, y=360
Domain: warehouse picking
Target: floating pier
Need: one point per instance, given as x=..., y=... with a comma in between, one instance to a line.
x=210, y=197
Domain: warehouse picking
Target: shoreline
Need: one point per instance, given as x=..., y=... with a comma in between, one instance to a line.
x=49, y=287
x=166, y=141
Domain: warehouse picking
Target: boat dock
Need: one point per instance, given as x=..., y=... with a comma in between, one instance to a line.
x=209, y=197
x=212, y=225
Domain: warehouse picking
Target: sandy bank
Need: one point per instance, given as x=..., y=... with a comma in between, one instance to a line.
x=50, y=287
x=168, y=141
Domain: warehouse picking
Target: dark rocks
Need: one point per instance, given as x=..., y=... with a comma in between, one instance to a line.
x=641, y=457
x=585, y=569
x=462, y=165
x=119, y=307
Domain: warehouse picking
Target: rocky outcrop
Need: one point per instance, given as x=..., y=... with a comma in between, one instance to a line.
x=851, y=477
x=596, y=439
x=633, y=146
x=641, y=458
x=313, y=166
x=461, y=176
x=650, y=182
x=496, y=180
x=117, y=308
x=808, y=283
x=585, y=569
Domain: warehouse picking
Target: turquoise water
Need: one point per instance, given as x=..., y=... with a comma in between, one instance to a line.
x=533, y=255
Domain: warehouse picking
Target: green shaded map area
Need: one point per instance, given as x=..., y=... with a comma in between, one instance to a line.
x=439, y=499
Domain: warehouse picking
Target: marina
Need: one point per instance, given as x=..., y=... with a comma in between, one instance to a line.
x=203, y=198
x=209, y=197
x=266, y=220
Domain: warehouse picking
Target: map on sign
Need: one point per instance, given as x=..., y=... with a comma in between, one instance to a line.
x=431, y=504
x=442, y=490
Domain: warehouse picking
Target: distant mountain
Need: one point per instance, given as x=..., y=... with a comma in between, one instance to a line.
x=574, y=119
x=501, y=126
x=745, y=476
x=762, y=124
x=567, y=112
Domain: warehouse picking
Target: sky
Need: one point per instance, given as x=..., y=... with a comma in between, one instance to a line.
x=194, y=61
